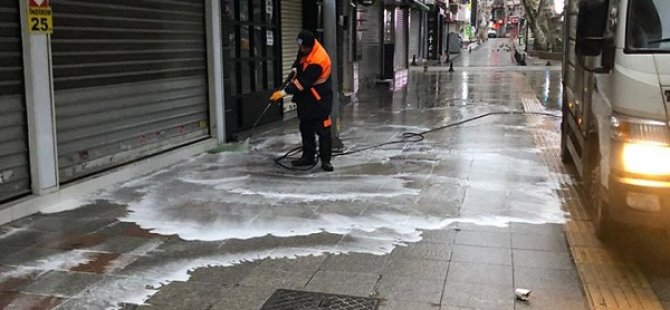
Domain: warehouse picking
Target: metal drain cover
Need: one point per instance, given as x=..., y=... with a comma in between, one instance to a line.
x=300, y=300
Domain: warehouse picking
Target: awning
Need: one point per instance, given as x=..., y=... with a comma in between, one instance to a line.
x=421, y=5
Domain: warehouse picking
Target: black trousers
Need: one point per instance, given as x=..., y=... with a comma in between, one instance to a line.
x=308, y=129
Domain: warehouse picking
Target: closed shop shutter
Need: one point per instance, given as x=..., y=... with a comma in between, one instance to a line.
x=370, y=38
x=415, y=35
x=14, y=162
x=400, y=55
x=130, y=79
x=291, y=25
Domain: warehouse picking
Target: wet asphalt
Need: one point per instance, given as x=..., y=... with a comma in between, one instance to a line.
x=457, y=220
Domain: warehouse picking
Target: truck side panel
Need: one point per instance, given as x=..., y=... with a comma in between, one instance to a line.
x=577, y=89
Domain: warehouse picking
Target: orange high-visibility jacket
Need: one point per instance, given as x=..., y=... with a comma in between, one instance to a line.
x=311, y=89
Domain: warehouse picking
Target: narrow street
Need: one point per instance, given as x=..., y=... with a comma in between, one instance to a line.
x=458, y=220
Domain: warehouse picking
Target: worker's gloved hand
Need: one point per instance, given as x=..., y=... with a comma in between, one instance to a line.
x=278, y=95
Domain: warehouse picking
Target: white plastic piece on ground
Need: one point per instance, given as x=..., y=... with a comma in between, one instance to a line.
x=522, y=294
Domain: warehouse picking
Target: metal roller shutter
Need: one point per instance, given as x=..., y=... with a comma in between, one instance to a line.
x=370, y=18
x=14, y=160
x=400, y=54
x=130, y=79
x=291, y=25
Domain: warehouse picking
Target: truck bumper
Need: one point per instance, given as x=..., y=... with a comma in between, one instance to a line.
x=639, y=202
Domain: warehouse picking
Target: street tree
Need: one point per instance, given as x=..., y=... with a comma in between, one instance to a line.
x=537, y=15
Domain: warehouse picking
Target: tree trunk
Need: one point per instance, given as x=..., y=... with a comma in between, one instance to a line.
x=539, y=29
x=537, y=20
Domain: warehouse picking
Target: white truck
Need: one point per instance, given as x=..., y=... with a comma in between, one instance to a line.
x=616, y=109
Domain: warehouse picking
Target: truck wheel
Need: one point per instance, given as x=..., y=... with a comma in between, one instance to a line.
x=602, y=221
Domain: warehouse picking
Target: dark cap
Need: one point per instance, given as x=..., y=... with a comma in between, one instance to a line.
x=306, y=38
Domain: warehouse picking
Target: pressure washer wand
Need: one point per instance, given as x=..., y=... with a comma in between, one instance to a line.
x=283, y=86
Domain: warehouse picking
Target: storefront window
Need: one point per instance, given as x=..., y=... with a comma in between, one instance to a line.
x=389, y=26
x=244, y=10
x=245, y=77
x=245, y=42
x=249, y=46
x=228, y=10
x=259, y=41
x=270, y=74
x=258, y=10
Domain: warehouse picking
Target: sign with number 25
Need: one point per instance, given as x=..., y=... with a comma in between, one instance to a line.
x=40, y=18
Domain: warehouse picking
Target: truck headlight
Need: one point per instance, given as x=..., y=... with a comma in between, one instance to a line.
x=649, y=159
x=646, y=145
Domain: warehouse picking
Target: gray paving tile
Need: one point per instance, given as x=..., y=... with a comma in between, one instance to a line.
x=483, y=228
x=309, y=263
x=484, y=255
x=355, y=262
x=480, y=273
x=13, y=278
x=535, y=278
x=447, y=236
x=481, y=295
x=483, y=199
x=419, y=268
x=187, y=295
x=482, y=238
x=223, y=275
x=410, y=289
x=177, y=247
x=434, y=251
x=106, y=293
x=22, y=301
x=120, y=244
x=61, y=283
x=543, y=259
x=17, y=256
x=27, y=238
x=71, y=224
x=97, y=209
x=244, y=298
x=539, y=242
x=320, y=239
x=399, y=305
x=552, y=298
x=346, y=283
x=537, y=229
x=277, y=279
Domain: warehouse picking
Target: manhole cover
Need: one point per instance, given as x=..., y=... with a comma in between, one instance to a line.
x=299, y=300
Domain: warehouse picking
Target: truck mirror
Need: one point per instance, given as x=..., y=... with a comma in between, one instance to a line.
x=591, y=23
x=609, y=49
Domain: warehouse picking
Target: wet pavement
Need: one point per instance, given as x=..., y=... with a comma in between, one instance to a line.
x=458, y=220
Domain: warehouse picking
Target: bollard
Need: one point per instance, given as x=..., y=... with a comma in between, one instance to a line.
x=451, y=66
x=414, y=60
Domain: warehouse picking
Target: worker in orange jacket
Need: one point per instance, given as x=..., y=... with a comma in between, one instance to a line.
x=312, y=92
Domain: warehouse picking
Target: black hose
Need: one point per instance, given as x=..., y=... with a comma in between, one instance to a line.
x=406, y=137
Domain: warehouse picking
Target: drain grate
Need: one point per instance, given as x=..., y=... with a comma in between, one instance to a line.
x=299, y=300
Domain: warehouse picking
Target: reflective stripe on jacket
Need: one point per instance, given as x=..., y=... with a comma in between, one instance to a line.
x=311, y=88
